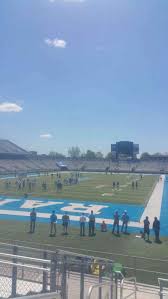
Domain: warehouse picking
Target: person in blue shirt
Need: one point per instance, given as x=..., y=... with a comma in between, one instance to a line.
x=91, y=224
x=53, y=221
x=156, y=228
x=116, y=222
x=32, y=221
x=125, y=220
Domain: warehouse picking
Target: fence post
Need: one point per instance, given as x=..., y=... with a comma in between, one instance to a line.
x=161, y=290
x=44, y=273
x=53, y=273
x=64, y=278
x=135, y=266
x=100, y=280
x=14, y=273
x=111, y=278
x=82, y=278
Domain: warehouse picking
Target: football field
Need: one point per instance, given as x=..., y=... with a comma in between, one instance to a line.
x=78, y=193
x=90, y=187
x=93, y=191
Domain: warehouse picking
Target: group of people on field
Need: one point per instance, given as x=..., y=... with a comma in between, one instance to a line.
x=53, y=222
x=92, y=224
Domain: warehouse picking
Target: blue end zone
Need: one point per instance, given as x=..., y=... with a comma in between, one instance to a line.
x=73, y=207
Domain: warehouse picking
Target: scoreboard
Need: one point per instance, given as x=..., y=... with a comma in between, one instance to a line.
x=124, y=148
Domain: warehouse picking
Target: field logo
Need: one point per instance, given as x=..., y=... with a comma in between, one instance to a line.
x=81, y=208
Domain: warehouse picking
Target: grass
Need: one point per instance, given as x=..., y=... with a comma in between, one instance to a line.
x=90, y=188
x=134, y=253
x=120, y=249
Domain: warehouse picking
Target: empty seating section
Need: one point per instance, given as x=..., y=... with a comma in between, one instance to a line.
x=47, y=164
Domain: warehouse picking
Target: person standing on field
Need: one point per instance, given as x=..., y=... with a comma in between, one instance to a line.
x=32, y=221
x=91, y=224
x=125, y=220
x=146, y=228
x=53, y=221
x=82, y=225
x=156, y=228
x=116, y=222
x=65, y=223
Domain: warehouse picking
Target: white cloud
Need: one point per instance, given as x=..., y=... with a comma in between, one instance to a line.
x=10, y=107
x=46, y=136
x=56, y=43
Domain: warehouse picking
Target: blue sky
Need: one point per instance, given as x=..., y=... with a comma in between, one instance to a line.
x=84, y=73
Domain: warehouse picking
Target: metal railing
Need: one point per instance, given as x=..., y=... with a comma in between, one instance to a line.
x=145, y=269
x=109, y=287
x=43, y=296
x=163, y=285
x=133, y=289
x=25, y=271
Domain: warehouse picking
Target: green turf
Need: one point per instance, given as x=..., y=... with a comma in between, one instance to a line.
x=91, y=188
x=103, y=245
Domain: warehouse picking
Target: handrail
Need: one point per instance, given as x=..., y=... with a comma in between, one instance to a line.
x=129, y=279
x=99, y=285
x=24, y=266
x=20, y=257
x=161, y=282
x=54, y=295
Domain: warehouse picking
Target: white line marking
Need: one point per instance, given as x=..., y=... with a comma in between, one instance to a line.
x=153, y=207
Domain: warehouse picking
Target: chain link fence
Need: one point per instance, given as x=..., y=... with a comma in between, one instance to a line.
x=26, y=271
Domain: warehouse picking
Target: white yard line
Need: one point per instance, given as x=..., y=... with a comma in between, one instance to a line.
x=100, y=186
x=153, y=207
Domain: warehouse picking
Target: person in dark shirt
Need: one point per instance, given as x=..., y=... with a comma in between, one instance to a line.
x=136, y=184
x=156, y=228
x=53, y=221
x=146, y=228
x=91, y=224
x=32, y=221
x=116, y=222
x=65, y=223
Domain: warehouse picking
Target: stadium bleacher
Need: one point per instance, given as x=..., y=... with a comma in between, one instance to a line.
x=15, y=159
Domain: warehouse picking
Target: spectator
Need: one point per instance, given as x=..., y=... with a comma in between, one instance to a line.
x=91, y=224
x=103, y=227
x=125, y=220
x=53, y=220
x=156, y=228
x=82, y=225
x=136, y=184
x=65, y=223
x=146, y=228
x=116, y=222
x=32, y=221
x=133, y=185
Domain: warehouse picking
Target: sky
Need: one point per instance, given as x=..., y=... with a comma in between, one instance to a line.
x=84, y=72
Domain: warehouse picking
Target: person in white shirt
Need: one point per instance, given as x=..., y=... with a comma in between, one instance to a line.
x=82, y=225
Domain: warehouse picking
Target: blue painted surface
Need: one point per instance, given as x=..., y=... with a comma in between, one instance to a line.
x=164, y=210
x=107, y=210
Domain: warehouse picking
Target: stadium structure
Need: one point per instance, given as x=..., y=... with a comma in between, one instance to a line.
x=14, y=159
x=48, y=272
x=124, y=149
